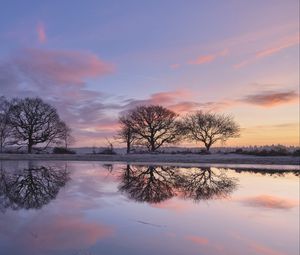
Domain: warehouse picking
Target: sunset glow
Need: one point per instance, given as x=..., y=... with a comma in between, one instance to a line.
x=96, y=59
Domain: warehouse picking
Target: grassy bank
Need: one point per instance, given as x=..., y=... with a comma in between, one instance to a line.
x=162, y=158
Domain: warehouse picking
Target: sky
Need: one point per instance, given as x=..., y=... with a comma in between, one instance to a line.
x=93, y=60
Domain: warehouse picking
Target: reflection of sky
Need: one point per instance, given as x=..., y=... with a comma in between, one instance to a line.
x=90, y=216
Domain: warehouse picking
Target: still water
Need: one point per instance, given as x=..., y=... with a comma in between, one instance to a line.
x=85, y=208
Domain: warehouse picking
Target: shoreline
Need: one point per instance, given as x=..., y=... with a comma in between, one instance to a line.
x=235, y=159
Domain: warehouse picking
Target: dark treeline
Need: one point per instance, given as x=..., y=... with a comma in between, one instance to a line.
x=30, y=122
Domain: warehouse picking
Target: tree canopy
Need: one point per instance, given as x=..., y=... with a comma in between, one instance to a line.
x=209, y=127
x=34, y=122
x=152, y=126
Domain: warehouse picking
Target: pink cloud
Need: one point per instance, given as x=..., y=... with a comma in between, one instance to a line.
x=184, y=107
x=270, y=50
x=64, y=67
x=286, y=43
x=264, y=250
x=202, y=60
x=209, y=58
x=162, y=98
x=66, y=232
x=258, y=248
x=197, y=240
x=173, y=100
x=269, y=201
x=271, y=98
x=173, y=205
x=41, y=32
x=175, y=66
x=168, y=97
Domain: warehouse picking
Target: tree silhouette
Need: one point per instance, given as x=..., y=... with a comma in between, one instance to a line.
x=151, y=126
x=126, y=133
x=205, y=184
x=209, y=128
x=30, y=188
x=5, y=127
x=34, y=122
x=151, y=184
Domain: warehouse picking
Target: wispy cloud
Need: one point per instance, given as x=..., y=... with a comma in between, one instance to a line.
x=55, y=233
x=175, y=66
x=203, y=59
x=197, y=240
x=271, y=98
x=286, y=43
x=268, y=201
x=41, y=32
x=179, y=101
x=62, y=67
x=270, y=50
x=255, y=246
x=161, y=98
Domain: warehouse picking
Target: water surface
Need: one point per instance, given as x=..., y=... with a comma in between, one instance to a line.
x=76, y=208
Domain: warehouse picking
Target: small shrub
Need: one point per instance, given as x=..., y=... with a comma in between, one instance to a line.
x=62, y=150
x=108, y=151
x=296, y=153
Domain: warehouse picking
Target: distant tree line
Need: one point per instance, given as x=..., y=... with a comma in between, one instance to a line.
x=153, y=126
x=30, y=122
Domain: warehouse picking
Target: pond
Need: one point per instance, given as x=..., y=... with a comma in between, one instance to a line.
x=84, y=208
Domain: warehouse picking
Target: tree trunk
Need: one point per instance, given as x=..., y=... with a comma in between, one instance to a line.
x=29, y=146
x=152, y=147
x=207, y=146
x=128, y=147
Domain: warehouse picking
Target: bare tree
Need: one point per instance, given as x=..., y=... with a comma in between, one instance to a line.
x=126, y=133
x=5, y=128
x=153, y=126
x=209, y=127
x=34, y=122
x=66, y=135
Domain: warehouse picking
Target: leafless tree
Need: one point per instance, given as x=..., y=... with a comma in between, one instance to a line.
x=153, y=126
x=5, y=128
x=209, y=127
x=126, y=134
x=34, y=122
x=66, y=135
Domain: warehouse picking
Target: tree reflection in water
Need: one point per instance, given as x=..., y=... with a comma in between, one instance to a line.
x=151, y=184
x=155, y=184
x=205, y=184
x=32, y=187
